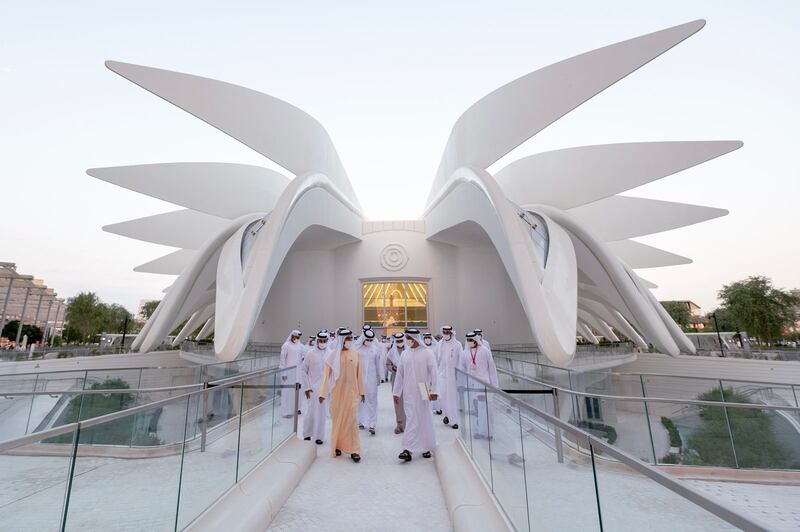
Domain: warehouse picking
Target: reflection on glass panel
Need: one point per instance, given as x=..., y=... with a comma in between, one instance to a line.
x=373, y=304
x=417, y=304
x=395, y=305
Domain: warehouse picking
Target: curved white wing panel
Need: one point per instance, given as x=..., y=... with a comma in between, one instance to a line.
x=179, y=229
x=207, y=329
x=597, y=324
x=194, y=286
x=242, y=289
x=221, y=189
x=648, y=319
x=548, y=297
x=276, y=129
x=586, y=332
x=193, y=323
x=638, y=255
x=508, y=116
x=572, y=177
x=171, y=264
x=621, y=217
x=614, y=319
x=648, y=284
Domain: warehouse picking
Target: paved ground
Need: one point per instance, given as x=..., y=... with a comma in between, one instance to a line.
x=379, y=493
x=775, y=505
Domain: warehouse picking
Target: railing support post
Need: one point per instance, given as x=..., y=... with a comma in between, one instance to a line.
x=649, y=427
x=204, y=418
x=557, y=430
x=728, y=424
x=296, y=404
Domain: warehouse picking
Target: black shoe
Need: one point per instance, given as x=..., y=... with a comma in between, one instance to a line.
x=356, y=458
x=307, y=438
x=455, y=425
x=338, y=452
x=438, y=412
x=360, y=426
x=318, y=442
x=372, y=430
x=446, y=420
x=405, y=455
x=426, y=454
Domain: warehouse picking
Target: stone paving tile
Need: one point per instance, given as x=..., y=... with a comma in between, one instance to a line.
x=379, y=493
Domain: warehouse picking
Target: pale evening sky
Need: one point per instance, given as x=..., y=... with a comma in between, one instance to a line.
x=388, y=81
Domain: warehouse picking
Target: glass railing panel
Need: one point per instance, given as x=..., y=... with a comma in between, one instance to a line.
x=15, y=414
x=631, y=501
x=255, y=441
x=479, y=428
x=33, y=484
x=507, y=463
x=694, y=435
x=116, y=487
x=463, y=410
x=283, y=418
x=759, y=393
x=101, y=379
x=561, y=495
x=624, y=424
x=209, y=462
x=680, y=387
x=764, y=438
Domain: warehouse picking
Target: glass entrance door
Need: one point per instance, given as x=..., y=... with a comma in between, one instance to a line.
x=395, y=305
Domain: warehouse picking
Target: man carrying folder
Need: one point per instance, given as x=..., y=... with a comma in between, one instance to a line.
x=415, y=382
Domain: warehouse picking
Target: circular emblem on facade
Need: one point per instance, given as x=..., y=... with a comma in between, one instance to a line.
x=394, y=257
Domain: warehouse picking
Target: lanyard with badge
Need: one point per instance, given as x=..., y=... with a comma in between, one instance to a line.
x=473, y=353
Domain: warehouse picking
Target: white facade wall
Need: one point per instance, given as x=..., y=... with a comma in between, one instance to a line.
x=467, y=287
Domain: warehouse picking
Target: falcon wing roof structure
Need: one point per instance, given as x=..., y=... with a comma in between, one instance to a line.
x=556, y=219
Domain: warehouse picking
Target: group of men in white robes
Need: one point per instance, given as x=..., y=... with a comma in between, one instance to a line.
x=420, y=367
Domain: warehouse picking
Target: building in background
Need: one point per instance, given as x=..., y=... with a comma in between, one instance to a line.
x=30, y=301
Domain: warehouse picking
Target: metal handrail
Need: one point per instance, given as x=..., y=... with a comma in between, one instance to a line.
x=83, y=370
x=80, y=425
x=719, y=509
x=788, y=384
x=104, y=391
x=649, y=399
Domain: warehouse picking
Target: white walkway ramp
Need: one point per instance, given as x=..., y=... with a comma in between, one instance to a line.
x=379, y=493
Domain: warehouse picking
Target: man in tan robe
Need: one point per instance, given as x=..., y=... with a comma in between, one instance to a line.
x=345, y=382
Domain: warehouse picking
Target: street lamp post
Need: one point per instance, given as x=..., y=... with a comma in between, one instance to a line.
x=124, y=331
x=719, y=337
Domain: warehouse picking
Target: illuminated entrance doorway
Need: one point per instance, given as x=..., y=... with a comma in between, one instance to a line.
x=393, y=306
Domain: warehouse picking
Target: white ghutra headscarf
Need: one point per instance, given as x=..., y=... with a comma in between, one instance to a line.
x=334, y=358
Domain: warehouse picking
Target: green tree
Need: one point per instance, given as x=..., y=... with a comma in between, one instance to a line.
x=88, y=316
x=148, y=308
x=679, y=312
x=34, y=333
x=759, y=308
x=724, y=319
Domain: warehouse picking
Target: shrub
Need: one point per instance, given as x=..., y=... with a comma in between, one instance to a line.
x=600, y=429
x=753, y=435
x=671, y=458
x=674, y=435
